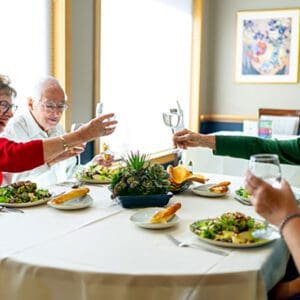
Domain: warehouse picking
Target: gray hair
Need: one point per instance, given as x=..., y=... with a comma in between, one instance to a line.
x=6, y=88
x=42, y=85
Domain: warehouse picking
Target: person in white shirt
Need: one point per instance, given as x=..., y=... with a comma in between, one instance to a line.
x=40, y=121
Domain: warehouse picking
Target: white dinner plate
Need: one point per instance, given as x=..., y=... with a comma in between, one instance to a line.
x=95, y=181
x=76, y=203
x=271, y=235
x=203, y=190
x=142, y=217
x=26, y=204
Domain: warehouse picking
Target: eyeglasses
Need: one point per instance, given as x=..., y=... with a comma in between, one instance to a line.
x=6, y=106
x=50, y=106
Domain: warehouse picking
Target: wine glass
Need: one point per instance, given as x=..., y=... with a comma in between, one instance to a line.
x=172, y=119
x=266, y=167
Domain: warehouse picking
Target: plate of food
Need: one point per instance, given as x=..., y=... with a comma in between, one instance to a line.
x=156, y=217
x=23, y=194
x=242, y=195
x=96, y=173
x=234, y=230
x=74, y=199
x=212, y=190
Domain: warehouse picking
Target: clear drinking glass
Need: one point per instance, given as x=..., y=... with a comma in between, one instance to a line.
x=172, y=119
x=266, y=167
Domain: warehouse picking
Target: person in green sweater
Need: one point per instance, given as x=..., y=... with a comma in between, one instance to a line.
x=288, y=151
x=281, y=200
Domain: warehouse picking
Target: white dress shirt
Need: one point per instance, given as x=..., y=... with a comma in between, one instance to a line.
x=23, y=128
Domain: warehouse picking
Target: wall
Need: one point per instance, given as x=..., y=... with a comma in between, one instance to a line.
x=82, y=65
x=220, y=94
x=82, y=59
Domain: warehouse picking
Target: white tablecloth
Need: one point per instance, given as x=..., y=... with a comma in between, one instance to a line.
x=111, y=258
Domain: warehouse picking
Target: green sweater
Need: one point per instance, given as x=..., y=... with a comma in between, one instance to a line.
x=244, y=146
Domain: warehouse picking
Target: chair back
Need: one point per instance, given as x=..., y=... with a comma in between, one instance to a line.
x=283, y=121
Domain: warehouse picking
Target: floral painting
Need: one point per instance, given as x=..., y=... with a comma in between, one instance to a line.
x=267, y=46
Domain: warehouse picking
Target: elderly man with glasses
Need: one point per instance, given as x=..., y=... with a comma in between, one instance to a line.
x=41, y=121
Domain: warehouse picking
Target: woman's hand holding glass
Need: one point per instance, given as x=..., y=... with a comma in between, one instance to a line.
x=267, y=168
x=273, y=204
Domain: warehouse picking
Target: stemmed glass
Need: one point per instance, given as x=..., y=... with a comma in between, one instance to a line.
x=266, y=167
x=172, y=119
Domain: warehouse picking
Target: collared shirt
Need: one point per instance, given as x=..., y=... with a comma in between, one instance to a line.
x=23, y=128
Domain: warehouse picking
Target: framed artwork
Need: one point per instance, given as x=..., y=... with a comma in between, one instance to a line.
x=267, y=46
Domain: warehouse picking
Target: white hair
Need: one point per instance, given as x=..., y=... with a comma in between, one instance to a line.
x=41, y=85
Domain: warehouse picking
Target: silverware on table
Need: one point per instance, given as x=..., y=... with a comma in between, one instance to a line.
x=242, y=201
x=10, y=209
x=197, y=246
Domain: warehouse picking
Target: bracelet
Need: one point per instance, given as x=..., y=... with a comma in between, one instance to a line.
x=286, y=220
x=65, y=144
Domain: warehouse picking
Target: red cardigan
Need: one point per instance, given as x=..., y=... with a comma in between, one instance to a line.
x=19, y=157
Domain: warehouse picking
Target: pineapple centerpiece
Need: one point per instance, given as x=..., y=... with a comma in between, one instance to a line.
x=139, y=179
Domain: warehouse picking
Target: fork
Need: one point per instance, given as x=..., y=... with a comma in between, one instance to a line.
x=197, y=246
x=10, y=209
x=244, y=202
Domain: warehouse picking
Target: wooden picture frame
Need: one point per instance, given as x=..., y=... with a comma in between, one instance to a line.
x=267, y=46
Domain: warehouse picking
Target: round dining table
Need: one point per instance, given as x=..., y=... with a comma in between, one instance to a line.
x=99, y=253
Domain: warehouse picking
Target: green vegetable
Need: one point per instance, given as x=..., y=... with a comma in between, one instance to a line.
x=242, y=192
x=22, y=192
x=96, y=172
x=140, y=177
x=226, y=227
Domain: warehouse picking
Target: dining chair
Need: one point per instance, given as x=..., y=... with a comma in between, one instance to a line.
x=283, y=121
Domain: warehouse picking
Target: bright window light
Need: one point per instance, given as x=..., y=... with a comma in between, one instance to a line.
x=25, y=36
x=145, y=69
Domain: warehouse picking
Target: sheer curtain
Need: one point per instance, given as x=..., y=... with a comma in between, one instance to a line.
x=145, y=68
x=26, y=43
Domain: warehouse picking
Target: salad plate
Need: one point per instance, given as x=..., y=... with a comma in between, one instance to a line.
x=23, y=194
x=142, y=217
x=203, y=190
x=76, y=203
x=243, y=196
x=26, y=204
x=96, y=174
x=216, y=232
x=95, y=181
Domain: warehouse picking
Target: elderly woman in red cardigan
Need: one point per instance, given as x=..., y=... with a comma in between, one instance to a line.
x=18, y=157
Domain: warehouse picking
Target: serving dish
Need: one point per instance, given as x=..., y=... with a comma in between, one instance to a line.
x=73, y=204
x=234, y=230
x=138, y=201
x=203, y=190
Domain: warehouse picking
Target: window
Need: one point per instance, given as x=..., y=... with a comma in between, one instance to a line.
x=26, y=47
x=145, y=54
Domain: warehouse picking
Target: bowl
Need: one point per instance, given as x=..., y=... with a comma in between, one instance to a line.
x=176, y=189
x=138, y=201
